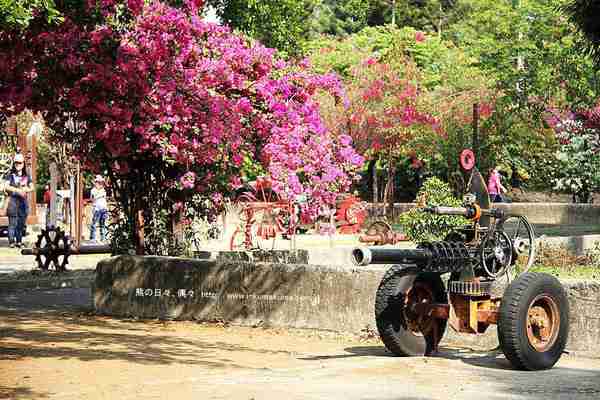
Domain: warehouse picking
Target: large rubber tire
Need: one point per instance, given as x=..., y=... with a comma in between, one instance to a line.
x=390, y=311
x=527, y=291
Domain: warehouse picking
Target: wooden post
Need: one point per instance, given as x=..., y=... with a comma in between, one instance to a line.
x=72, y=196
x=32, y=156
x=28, y=149
x=53, y=202
x=139, y=227
x=375, y=186
x=78, y=205
x=331, y=227
x=475, y=139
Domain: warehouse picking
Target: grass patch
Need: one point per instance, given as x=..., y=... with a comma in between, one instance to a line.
x=560, y=262
x=570, y=271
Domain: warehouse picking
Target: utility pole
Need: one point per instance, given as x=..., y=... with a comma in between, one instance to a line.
x=394, y=13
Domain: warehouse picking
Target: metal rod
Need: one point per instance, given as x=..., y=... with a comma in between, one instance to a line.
x=83, y=249
x=363, y=256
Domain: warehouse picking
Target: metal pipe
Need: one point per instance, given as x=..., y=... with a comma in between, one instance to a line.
x=362, y=256
x=83, y=249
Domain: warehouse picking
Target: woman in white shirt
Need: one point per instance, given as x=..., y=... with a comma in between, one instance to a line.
x=100, y=210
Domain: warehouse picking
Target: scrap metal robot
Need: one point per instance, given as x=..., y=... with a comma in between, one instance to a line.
x=477, y=277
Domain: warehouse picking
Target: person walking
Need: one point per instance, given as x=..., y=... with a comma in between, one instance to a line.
x=100, y=208
x=47, y=201
x=18, y=185
x=495, y=187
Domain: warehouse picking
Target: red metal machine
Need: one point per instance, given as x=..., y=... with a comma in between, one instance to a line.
x=264, y=216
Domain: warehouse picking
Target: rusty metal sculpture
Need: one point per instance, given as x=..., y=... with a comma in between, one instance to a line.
x=263, y=216
x=351, y=214
x=413, y=305
x=54, y=246
x=380, y=233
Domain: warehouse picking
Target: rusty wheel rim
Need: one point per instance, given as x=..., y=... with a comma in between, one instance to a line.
x=419, y=293
x=543, y=323
x=381, y=229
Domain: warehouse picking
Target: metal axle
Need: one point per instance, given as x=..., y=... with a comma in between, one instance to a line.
x=82, y=249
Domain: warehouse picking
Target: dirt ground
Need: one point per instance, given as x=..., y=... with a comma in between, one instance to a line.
x=52, y=347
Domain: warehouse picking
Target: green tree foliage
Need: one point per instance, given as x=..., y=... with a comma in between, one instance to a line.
x=280, y=24
x=586, y=15
x=428, y=15
x=18, y=13
x=423, y=227
x=441, y=62
x=531, y=50
x=340, y=18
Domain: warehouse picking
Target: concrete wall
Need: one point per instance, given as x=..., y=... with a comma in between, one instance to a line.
x=537, y=213
x=302, y=296
x=578, y=245
x=299, y=296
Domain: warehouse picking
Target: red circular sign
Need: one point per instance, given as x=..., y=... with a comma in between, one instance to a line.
x=467, y=159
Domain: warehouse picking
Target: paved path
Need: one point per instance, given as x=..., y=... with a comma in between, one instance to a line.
x=52, y=347
x=11, y=260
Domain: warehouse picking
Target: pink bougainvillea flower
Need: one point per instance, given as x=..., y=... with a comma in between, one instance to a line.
x=186, y=96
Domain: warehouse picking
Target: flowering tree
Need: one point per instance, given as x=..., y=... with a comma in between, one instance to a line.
x=171, y=106
x=386, y=112
x=579, y=159
x=409, y=92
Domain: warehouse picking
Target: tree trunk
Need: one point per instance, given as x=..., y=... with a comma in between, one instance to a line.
x=388, y=200
x=375, y=185
x=138, y=232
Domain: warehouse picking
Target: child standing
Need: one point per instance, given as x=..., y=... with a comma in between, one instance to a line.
x=100, y=209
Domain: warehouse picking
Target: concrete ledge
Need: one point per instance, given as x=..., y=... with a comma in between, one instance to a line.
x=536, y=213
x=283, y=295
x=554, y=213
x=579, y=245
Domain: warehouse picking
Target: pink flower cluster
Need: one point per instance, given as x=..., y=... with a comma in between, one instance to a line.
x=420, y=36
x=175, y=90
x=188, y=180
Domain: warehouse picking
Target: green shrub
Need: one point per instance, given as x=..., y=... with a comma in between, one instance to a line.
x=423, y=227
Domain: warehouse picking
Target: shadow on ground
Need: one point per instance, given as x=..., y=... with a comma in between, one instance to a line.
x=89, y=338
x=17, y=393
x=490, y=367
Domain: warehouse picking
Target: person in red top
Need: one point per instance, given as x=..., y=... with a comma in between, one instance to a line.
x=418, y=167
x=47, y=199
x=495, y=187
x=47, y=195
